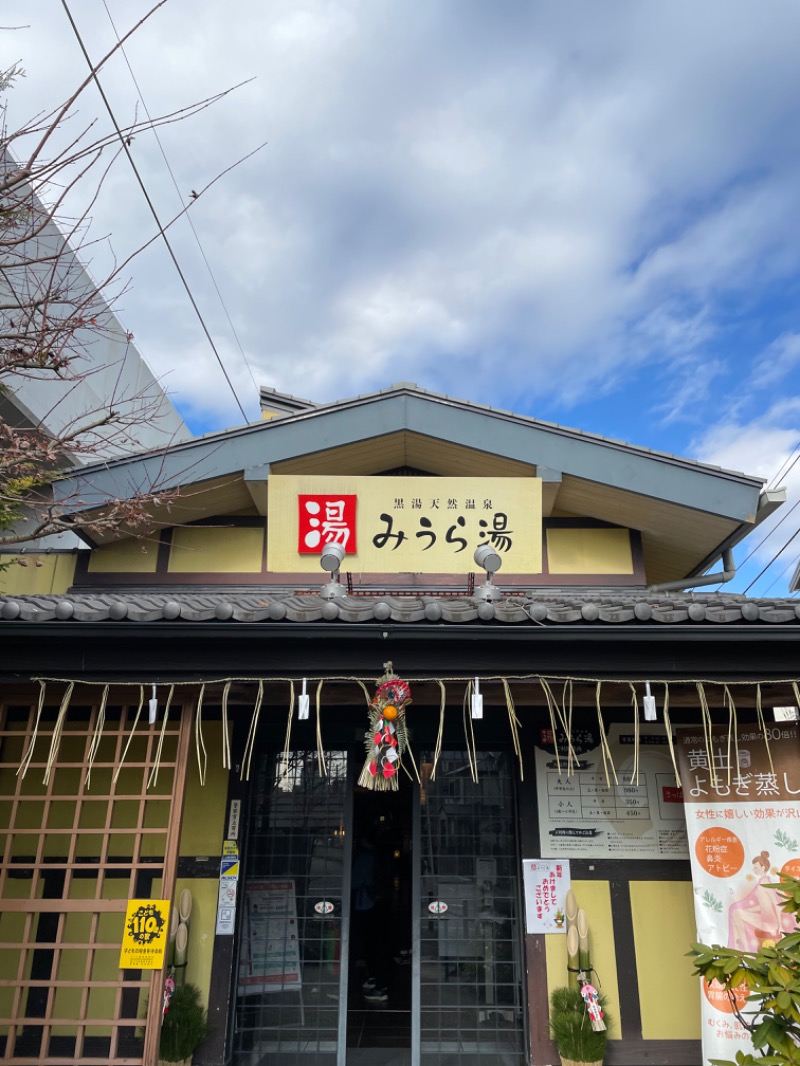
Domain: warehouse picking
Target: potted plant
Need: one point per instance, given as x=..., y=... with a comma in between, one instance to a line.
x=185, y=1026
x=571, y=1029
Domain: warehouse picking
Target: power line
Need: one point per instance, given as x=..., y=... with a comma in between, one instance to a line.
x=785, y=469
x=796, y=449
x=126, y=149
x=772, y=560
x=177, y=190
x=786, y=568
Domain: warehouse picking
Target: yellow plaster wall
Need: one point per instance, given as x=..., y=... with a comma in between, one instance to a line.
x=589, y=551
x=211, y=550
x=595, y=898
x=45, y=574
x=202, y=926
x=202, y=833
x=664, y=929
x=132, y=556
x=204, y=805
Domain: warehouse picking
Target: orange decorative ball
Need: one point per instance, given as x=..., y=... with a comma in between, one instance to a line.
x=390, y=712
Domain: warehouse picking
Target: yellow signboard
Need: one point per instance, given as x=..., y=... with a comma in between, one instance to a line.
x=144, y=938
x=395, y=525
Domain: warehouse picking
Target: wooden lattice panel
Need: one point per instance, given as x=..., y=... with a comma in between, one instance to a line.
x=97, y=829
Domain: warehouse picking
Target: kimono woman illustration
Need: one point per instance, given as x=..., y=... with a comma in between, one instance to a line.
x=755, y=914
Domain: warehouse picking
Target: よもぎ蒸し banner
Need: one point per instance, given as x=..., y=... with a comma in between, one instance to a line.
x=743, y=822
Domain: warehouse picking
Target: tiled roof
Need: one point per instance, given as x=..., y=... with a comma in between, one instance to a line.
x=532, y=608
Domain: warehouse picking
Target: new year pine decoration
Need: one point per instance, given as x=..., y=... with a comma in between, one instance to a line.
x=386, y=737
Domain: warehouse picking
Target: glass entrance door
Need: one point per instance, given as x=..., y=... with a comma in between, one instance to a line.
x=380, y=929
x=468, y=973
x=293, y=927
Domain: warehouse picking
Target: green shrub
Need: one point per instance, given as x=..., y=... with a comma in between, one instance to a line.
x=185, y=1024
x=571, y=1028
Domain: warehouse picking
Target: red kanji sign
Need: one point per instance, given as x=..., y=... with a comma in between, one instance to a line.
x=326, y=520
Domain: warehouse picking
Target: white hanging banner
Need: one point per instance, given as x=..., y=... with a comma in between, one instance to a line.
x=547, y=882
x=743, y=824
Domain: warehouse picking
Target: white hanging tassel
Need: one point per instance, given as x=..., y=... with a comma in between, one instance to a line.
x=649, y=704
x=303, y=701
x=477, y=700
x=153, y=707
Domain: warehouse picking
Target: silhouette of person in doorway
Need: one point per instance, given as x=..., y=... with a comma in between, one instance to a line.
x=370, y=940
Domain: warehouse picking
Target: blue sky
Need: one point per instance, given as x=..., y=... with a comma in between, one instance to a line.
x=585, y=212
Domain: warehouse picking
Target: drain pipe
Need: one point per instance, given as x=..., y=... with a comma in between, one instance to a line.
x=722, y=578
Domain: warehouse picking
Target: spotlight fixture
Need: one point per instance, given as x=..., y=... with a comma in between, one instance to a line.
x=487, y=559
x=331, y=560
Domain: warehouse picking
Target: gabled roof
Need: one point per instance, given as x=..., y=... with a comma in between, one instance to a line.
x=688, y=512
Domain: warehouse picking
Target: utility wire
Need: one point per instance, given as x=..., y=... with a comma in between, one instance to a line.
x=786, y=568
x=153, y=211
x=794, y=452
x=178, y=191
x=766, y=536
x=772, y=560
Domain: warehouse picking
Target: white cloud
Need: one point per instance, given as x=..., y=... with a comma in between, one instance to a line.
x=569, y=193
x=767, y=447
x=778, y=360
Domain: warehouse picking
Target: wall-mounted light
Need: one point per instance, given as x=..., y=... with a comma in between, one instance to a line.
x=331, y=559
x=487, y=559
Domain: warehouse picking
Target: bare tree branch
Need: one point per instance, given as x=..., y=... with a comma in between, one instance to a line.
x=58, y=334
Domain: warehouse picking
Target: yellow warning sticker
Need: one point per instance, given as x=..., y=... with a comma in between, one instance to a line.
x=144, y=938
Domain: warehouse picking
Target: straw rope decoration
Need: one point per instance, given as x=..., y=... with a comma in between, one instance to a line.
x=469, y=732
x=321, y=764
x=514, y=726
x=26, y=758
x=570, y=751
x=247, y=755
x=549, y=701
x=705, y=718
x=634, y=780
x=130, y=736
x=605, y=748
x=284, y=783
x=559, y=716
x=437, y=751
x=796, y=694
x=226, y=736
x=733, y=730
x=762, y=725
x=57, y=730
x=152, y=780
x=668, y=728
x=96, y=738
x=199, y=742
